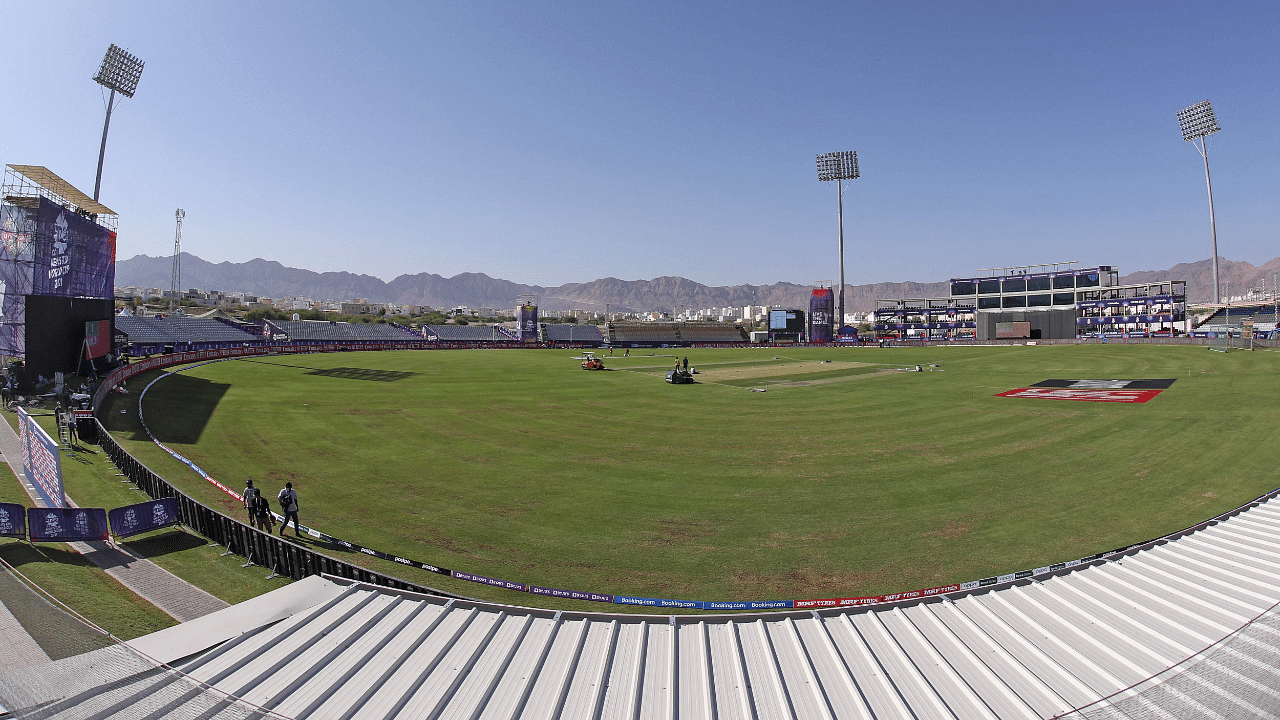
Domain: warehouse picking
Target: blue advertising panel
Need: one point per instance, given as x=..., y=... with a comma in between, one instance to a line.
x=13, y=520
x=67, y=524
x=74, y=256
x=17, y=235
x=821, y=315
x=40, y=460
x=527, y=323
x=139, y=518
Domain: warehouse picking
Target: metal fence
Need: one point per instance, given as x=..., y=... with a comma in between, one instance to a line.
x=281, y=556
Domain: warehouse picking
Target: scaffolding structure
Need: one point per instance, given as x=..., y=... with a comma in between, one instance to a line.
x=24, y=185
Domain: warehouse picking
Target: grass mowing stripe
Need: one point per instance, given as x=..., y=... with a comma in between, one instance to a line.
x=517, y=464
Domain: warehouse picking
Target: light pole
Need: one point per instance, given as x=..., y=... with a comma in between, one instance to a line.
x=119, y=73
x=839, y=166
x=1198, y=122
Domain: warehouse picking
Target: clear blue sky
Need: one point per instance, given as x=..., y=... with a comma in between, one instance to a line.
x=552, y=143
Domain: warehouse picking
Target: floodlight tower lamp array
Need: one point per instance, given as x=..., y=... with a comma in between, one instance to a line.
x=119, y=73
x=839, y=166
x=1198, y=123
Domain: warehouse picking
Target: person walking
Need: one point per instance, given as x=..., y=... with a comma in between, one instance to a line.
x=289, y=508
x=266, y=523
x=250, y=500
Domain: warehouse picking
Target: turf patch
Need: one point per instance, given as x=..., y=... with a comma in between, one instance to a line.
x=373, y=375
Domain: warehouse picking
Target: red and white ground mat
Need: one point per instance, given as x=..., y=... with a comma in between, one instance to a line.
x=1119, y=391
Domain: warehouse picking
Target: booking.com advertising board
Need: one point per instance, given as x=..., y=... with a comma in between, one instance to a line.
x=41, y=460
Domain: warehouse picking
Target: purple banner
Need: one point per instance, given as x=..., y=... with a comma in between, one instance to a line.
x=67, y=524
x=134, y=519
x=13, y=520
x=821, y=312
x=74, y=256
x=41, y=460
x=527, y=323
x=17, y=235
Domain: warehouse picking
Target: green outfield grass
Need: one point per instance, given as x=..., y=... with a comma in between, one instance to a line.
x=846, y=478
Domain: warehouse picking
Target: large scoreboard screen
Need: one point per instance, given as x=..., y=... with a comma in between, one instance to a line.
x=786, y=321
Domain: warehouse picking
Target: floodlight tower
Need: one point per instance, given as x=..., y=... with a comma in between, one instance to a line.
x=175, y=285
x=119, y=73
x=1198, y=122
x=839, y=166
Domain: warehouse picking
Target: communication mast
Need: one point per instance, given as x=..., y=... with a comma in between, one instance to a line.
x=176, y=283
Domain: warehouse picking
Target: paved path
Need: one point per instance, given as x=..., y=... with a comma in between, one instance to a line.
x=175, y=596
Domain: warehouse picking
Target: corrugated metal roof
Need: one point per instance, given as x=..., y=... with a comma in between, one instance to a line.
x=1036, y=649
x=49, y=180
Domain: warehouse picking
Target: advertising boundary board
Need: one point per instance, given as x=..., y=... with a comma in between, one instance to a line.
x=41, y=460
x=66, y=524
x=732, y=605
x=141, y=517
x=13, y=520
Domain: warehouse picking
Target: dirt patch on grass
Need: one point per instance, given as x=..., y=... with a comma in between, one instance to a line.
x=433, y=536
x=954, y=529
x=673, y=532
x=813, y=539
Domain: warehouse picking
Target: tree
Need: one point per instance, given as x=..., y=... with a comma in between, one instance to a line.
x=265, y=314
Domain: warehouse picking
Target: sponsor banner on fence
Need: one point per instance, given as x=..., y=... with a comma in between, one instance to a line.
x=570, y=594
x=66, y=524
x=1118, y=391
x=13, y=520
x=41, y=460
x=139, y=518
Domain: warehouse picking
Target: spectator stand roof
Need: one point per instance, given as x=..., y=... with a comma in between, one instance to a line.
x=1184, y=627
x=571, y=333
x=164, y=331
x=469, y=333
x=331, y=331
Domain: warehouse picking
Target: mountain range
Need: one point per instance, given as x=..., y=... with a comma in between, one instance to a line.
x=269, y=278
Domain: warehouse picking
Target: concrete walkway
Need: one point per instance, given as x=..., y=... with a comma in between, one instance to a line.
x=178, y=598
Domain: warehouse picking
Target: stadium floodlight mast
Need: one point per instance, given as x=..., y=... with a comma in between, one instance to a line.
x=119, y=73
x=839, y=166
x=1197, y=123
